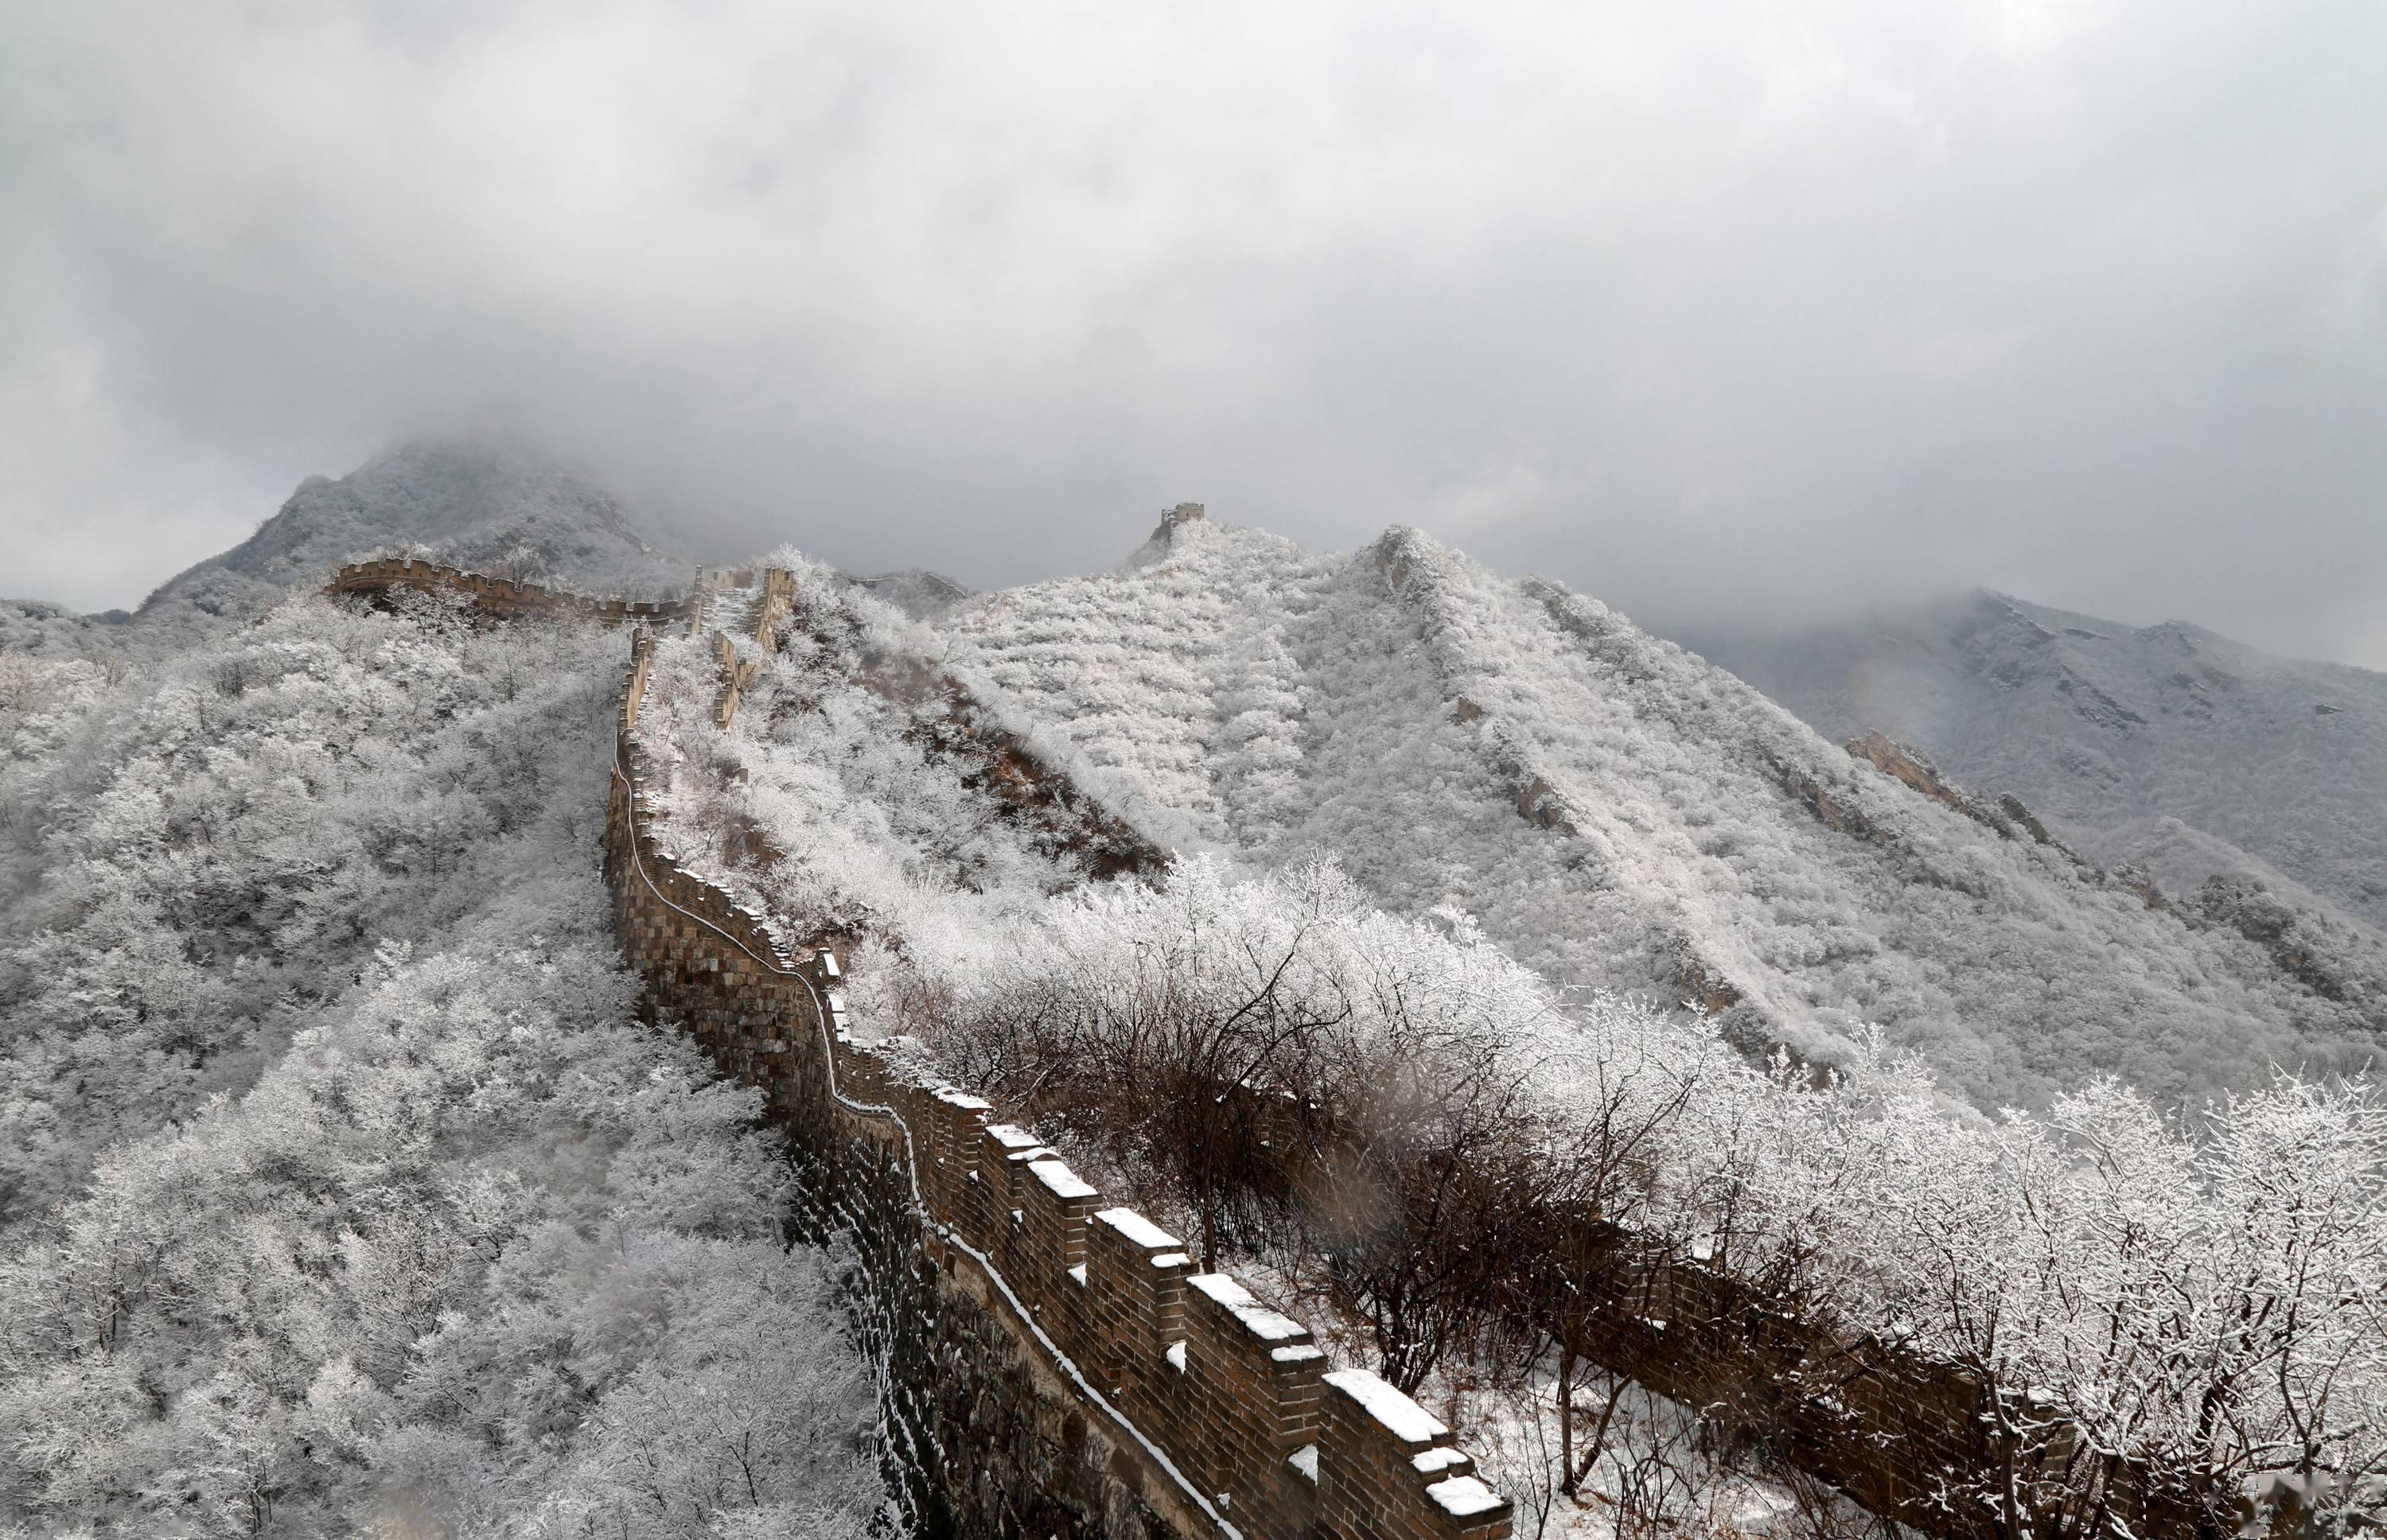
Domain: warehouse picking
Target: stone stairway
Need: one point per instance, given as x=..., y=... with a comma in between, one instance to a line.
x=736, y=614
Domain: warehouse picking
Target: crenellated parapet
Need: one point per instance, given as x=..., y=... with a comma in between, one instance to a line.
x=1224, y=1408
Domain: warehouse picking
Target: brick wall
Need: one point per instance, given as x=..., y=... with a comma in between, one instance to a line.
x=1169, y=1403
x=1904, y=1436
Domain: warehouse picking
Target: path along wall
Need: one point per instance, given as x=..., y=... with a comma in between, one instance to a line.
x=1058, y=1366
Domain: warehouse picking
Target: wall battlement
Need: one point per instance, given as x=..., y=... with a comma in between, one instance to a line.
x=1223, y=1408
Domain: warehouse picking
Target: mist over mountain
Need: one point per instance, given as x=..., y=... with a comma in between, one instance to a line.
x=273, y=875
x=2166, y=746
x=481, y=506
x=474, y=506
x=634, y=904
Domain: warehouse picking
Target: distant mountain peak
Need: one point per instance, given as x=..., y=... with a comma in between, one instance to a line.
x=473, y=504
x=2168, y=746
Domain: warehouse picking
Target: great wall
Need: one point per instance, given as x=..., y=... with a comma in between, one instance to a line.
x=503, y=598
x=1057, y=1366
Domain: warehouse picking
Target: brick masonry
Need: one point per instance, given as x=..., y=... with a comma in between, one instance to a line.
x=1057, y=1366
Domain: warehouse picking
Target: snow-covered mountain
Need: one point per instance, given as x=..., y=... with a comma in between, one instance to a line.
x=319, y=1055
x=477, y=506
x=1619, y=813
x=2168, y=746
x=481, y=506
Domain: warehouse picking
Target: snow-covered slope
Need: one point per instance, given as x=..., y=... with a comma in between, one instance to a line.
x=35, y=628
x=317, y=1049
x=1619, y=813
x=2167, y=746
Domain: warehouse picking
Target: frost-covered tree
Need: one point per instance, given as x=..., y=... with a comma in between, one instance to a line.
x=346, y=1191
x=207, y=850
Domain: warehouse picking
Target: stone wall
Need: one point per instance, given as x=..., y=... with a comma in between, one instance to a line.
x=1059, y=1367
x=742, y=656
x=498, y=597
x=1904, y=1436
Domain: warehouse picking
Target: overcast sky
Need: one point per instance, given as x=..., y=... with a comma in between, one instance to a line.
x=1716, y=311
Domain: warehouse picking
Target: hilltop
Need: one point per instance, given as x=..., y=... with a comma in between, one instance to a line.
x=482, y=507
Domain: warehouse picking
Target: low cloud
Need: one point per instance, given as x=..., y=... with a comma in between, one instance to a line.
x=1718, y=312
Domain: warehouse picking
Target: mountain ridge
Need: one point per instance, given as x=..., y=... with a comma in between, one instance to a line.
x=1622, y=814
x=480, y=506
x=1616, y=810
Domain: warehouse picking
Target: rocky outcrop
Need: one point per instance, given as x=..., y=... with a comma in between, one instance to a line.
x=1908, y=766
x=1838, y=813
x=2245, y=906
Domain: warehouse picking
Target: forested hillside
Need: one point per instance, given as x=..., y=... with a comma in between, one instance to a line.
x=343, y=1191
x=1619, y=813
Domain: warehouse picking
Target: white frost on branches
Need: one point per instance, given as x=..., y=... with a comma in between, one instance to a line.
x=344, y=1192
